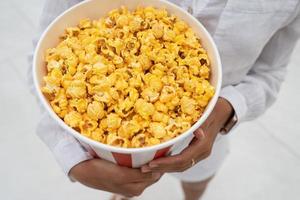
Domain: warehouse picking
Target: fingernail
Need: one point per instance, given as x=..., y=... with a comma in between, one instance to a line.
x=155, y=175
x=145, y=170
x=199, y=133
x=153, y=165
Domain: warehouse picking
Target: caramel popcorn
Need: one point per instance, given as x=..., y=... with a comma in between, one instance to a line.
x=131, y=79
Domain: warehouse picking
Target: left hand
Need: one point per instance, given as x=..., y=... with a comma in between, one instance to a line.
x=201, y=145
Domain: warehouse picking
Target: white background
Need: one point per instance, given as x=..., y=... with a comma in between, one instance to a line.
x=264, y=162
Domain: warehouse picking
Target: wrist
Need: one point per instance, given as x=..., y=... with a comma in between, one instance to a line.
x=223, y=112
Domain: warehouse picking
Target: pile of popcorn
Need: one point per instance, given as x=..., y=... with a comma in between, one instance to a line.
x=132, y=79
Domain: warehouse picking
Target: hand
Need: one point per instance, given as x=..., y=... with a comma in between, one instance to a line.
x=201, y=145
x=103, y=175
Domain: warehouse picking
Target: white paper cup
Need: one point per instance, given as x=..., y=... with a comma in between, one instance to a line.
x=94, y=9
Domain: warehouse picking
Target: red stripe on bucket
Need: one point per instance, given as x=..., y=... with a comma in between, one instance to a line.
x=93, y=153
x=123, y=159
x=90, y=150
x=162, y=152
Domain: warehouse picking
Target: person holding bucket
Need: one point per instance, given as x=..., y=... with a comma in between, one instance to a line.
x=255, y=40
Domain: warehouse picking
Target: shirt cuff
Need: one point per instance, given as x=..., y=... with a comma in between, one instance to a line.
x=237, y=101
x=69, y=153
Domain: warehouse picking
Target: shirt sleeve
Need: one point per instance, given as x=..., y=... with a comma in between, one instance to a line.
x=259, y=88
x=66, y=149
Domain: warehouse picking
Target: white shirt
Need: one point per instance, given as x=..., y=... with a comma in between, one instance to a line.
x=255, y=40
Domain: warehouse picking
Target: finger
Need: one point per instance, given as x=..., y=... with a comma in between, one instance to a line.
x=180, y=161
x=199, y=134
x=135, y=175
x=186, y=154
x=125, y=174
x=137, y=188
x=145, y=169
x=169, y=169
x=181, y=168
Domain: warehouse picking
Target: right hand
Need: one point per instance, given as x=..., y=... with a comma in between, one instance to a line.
x=104, y=175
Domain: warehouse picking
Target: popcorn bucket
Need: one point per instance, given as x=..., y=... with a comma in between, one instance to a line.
x=95, y=9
